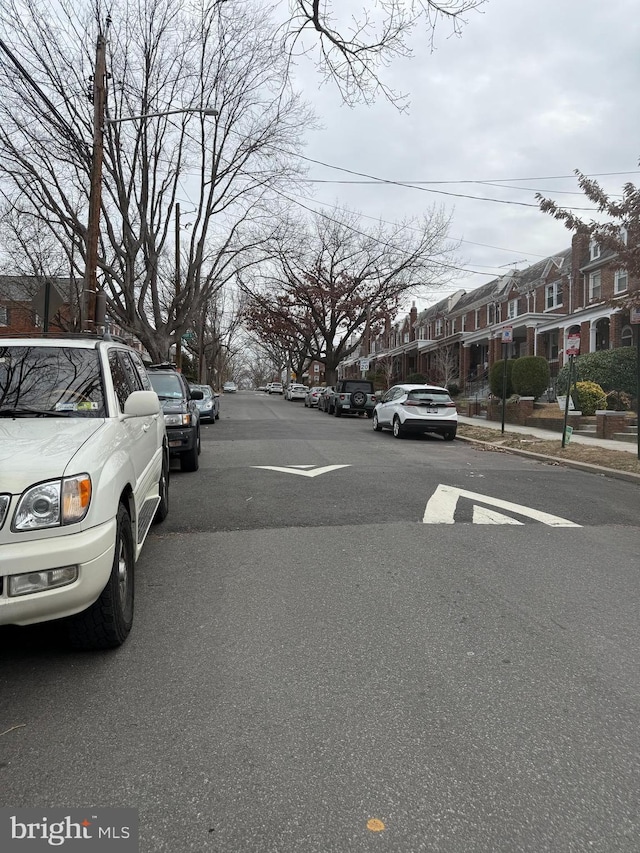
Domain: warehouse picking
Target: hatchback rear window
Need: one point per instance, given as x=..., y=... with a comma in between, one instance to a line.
x=426, y=396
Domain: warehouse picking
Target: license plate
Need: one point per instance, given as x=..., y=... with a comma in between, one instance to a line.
x=431, y=410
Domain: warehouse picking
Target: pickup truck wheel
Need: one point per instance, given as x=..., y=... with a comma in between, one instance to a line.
x=397, y=428
x=376, y=425
x=189, y=460
x=163, y=489
x=106, y=624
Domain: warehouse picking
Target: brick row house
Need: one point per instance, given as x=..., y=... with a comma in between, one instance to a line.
x=458, y=338
x=22, y=308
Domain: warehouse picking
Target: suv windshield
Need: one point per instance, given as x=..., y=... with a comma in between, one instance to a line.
x=166, y=385
x=59, y=380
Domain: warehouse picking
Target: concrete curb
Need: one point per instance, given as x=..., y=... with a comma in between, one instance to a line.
x=613, y=473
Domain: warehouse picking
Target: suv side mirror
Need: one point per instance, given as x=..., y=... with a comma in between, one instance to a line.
x=141, y=404
x=197, y=395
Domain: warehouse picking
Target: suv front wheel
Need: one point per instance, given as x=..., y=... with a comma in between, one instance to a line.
x=106, y=624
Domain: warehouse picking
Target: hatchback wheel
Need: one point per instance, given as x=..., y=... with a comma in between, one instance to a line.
x=376, y=424
x=397, y=428
x=449, y=435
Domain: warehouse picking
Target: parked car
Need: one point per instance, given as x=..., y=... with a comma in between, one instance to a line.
x=181, y=415
x=230, y=387
x=297, y=392
x=352, y=397
x=324, y=397
x=84, y=471
x=312, y=396
x=209, y=406
x=417, y=409
x=275, y=388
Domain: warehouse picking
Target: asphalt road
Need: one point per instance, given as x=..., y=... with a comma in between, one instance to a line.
x=430, y=648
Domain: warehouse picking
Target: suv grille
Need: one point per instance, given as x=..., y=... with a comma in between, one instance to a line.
x=5, y=500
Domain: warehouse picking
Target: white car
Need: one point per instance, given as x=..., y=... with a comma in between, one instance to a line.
x=297, y=392
x=229, y=388
x=84, y=471
x=417, y=409
x=275, y=388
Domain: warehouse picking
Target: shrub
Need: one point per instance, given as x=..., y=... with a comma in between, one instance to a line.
x=530, y=376
x=612, y=369
x=453, y=388
x=496, y=376
x=590, y=397
x=618, y=401
x=416, y=379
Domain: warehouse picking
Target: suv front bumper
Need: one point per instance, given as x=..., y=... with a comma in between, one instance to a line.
x=181, y=439
x=90, y=550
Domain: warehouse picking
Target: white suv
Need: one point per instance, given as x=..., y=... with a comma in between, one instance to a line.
x=84, y=471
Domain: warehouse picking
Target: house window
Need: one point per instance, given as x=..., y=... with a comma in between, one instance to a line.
x=553, y=295
x=512, y=309
x=624, y=236
x=621, y=281
x=406, y=337
x=4, y=315
x=316, y=368
x=595, y=286
x=438, y=328
x=594, y=251
x=477, y=318
x=463, y=323
x=453, y=327
x=626, y=336
x=553, y=346
x=491, y=314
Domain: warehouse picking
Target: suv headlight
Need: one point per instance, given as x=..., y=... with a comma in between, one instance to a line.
x=178, y=420
x=54, y=503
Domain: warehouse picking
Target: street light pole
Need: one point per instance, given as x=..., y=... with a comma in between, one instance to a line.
x=178, y=285
x=95, y=192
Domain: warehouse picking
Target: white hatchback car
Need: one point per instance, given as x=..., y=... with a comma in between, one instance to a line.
x=417, y=409
x=84, y=471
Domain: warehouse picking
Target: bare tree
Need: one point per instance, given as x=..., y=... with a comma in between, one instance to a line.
x=620, y=232
x=351, y=48
x=331, y=278
x=446, y=365
x=163, y=55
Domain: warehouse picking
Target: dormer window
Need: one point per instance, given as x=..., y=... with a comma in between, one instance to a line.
x=594, y=250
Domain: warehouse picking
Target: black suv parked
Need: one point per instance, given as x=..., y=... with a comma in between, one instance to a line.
x=181, y=416
x=352, y=397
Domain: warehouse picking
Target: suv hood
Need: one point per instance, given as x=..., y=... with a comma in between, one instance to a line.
x=36, y=449
x=173, y=406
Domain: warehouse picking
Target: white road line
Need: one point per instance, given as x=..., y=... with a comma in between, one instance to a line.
x=441, y=509
x=296, y=469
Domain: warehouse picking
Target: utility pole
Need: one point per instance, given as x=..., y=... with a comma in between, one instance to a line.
x=178, y=285
x=95, y=192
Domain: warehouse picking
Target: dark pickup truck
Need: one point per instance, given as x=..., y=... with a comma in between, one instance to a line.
x=352, y=397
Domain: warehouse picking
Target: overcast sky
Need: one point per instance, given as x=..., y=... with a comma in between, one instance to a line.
x=531, y=91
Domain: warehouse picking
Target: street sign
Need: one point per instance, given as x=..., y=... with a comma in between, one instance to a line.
x=507, y=335
x=364, y=364
x=39, y=301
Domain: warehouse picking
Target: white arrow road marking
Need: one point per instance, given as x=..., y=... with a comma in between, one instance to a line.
x=441, y=509
x=296, y=469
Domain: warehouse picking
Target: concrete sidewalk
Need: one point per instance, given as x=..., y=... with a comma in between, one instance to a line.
x=551, y=435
